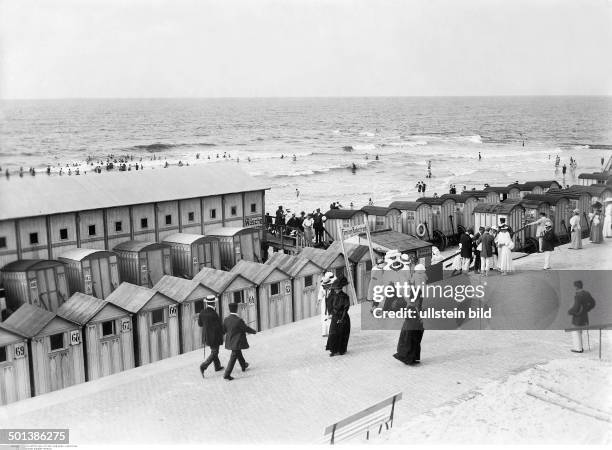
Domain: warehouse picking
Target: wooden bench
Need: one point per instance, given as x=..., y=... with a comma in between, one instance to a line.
x=592, y=327
x=378, y=415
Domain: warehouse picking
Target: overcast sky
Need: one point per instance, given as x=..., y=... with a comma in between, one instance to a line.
x=244, y=48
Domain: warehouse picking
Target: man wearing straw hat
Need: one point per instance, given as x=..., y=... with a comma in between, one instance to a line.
x=212, y=334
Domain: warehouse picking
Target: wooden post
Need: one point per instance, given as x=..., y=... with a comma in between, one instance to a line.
x=372, y=256
x=347, y=264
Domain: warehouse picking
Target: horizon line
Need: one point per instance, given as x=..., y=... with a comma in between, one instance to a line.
x=301, y=97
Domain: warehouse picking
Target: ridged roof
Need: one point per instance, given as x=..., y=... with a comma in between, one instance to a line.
x=214, y=279
x=131, y=297
x=255, y=272
x=378, y=210
x=229, y=231
x=23, y=265
x=28, y=320
x=79, y=254
x=187, y=238
x=405, y=205
x=42, y=195
x=342, y=213
x=80, y=308
x=176, y=288
x=504, y=207
x=138, y=246
x=289, y=264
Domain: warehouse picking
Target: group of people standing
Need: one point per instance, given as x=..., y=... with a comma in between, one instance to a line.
x=599, y=226
x=489, y=249
x=311, y=225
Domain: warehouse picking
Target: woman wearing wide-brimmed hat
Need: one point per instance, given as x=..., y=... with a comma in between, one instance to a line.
x=323, y=301
x=505, y=245
x=340, y=326
x=596, y=235
x=576, y=230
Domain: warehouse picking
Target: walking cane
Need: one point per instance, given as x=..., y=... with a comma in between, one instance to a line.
x=588, y=340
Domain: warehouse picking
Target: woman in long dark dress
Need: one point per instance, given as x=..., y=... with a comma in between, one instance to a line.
x=340, y=327
x=409, y=342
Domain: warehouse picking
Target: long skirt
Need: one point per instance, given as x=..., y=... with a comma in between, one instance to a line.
x=607, y=226
x=576, y=239
x=505, y=259
x=596, y=235
x=409, y=343
x=339, y=334
x=324, y=320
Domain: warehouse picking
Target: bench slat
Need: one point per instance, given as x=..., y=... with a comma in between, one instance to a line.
x=365, y=412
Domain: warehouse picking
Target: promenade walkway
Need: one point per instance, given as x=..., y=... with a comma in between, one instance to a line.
x=292, y=390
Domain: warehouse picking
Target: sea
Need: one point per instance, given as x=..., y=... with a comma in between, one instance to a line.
x=315, y=151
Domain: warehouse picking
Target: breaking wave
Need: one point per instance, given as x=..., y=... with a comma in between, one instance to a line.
x=158, y=146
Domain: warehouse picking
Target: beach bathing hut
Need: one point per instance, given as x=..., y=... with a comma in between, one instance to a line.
x=383, y=241
x=155, y=322
x=503, y=192
x=331, y=259
x=143, y=263
x=414, y=217
x=483, y=195
x=232, y=288
x=383, y=218
x=38, y=282
x=535, y=187
x=306, y=277
x=464, y=208
x=361, y=266
x=559, y=211
x=274, y=292
x=107, y=331
x=510, y=210
x=191, y=252
x=55, y=346
x=443, y=229
x=237, y=243
x=92, y=272
x=580, y=199
x=344, y=218
x=14, y=367
x=588, y=179
x=190, y=296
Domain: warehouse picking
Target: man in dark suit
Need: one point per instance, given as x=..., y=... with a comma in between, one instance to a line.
x=466, y=249
x=212, y=334
x=475, y=242
x=486, y=252
x=583, y=303
x=235, y=340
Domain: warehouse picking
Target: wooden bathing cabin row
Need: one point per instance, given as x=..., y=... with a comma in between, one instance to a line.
x=44, y=217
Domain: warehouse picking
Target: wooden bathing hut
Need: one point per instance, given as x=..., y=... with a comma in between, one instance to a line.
x=155, y=322
x=274, y=292
x=509, y=211
x=38, y=282
x=237, y=243
x=55, y=347
x=107, y=331
x=383, y=241
x=232, y=288
x=578, y=199
x=14, y=367
x=588, y=179
x=190, y=297
x=306, y=276
x=559, y=211
x=191, y=252
x=414, y=217
x=443, y=229
x=92, y=272
x=361, y=266
x=383, y=218
x=483, y=196
x=464, y=208
x=143, y=263
x=503, y=192
x=331, y=259
x=535, y=187
x=344, y=218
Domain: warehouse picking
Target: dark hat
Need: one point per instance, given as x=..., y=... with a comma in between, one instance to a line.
x=578, y=284
x=233, y=307
x=503, y=227
x=339, y=283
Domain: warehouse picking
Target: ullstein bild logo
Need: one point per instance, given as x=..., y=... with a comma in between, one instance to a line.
x=530, y=300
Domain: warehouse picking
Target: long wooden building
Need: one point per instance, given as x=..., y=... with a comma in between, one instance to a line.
x=43, y=217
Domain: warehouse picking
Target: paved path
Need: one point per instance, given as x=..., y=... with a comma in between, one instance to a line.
x=293, y=389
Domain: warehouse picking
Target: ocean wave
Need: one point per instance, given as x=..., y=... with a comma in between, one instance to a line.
x=158, y=146
x=405, y=143
x=367, y=134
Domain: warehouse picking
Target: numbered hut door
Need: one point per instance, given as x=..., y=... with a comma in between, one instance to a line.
x=100, y=275
x=111, y=355
x=248, y=308
x=158, y=332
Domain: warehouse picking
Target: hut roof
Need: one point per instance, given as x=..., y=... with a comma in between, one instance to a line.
x=541, y=198
x=594, y=189
x=396, y=241
x=431, y=200
x=316, y=255
x=23, y=265
x=504, y=207
x=8, y=337
x=79, y=254
x=255, y=272
x=458, y=198
x=80, y=308
x=288, y=263
x=498, y=189
x=176, y=288
x=405, y=205
x=378, y=210
x=529, y=185
x=214, y=279
x=137, y=246
x=28, y=320
x=476, y=193
x=342, y=213
x=130, y=297
x=54, y=195
x=187, y=238
x=599, y=176
x=229, y=231
x=356, y=252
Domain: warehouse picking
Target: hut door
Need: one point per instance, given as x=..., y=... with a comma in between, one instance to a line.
x=158, y=340
x=246, y=244
x=156, y=266
x=196, y=329
x=111, y=358
x=284, y=311
x=248, y=309
x=202, y=253
x=49, y=296
x=60, y=375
